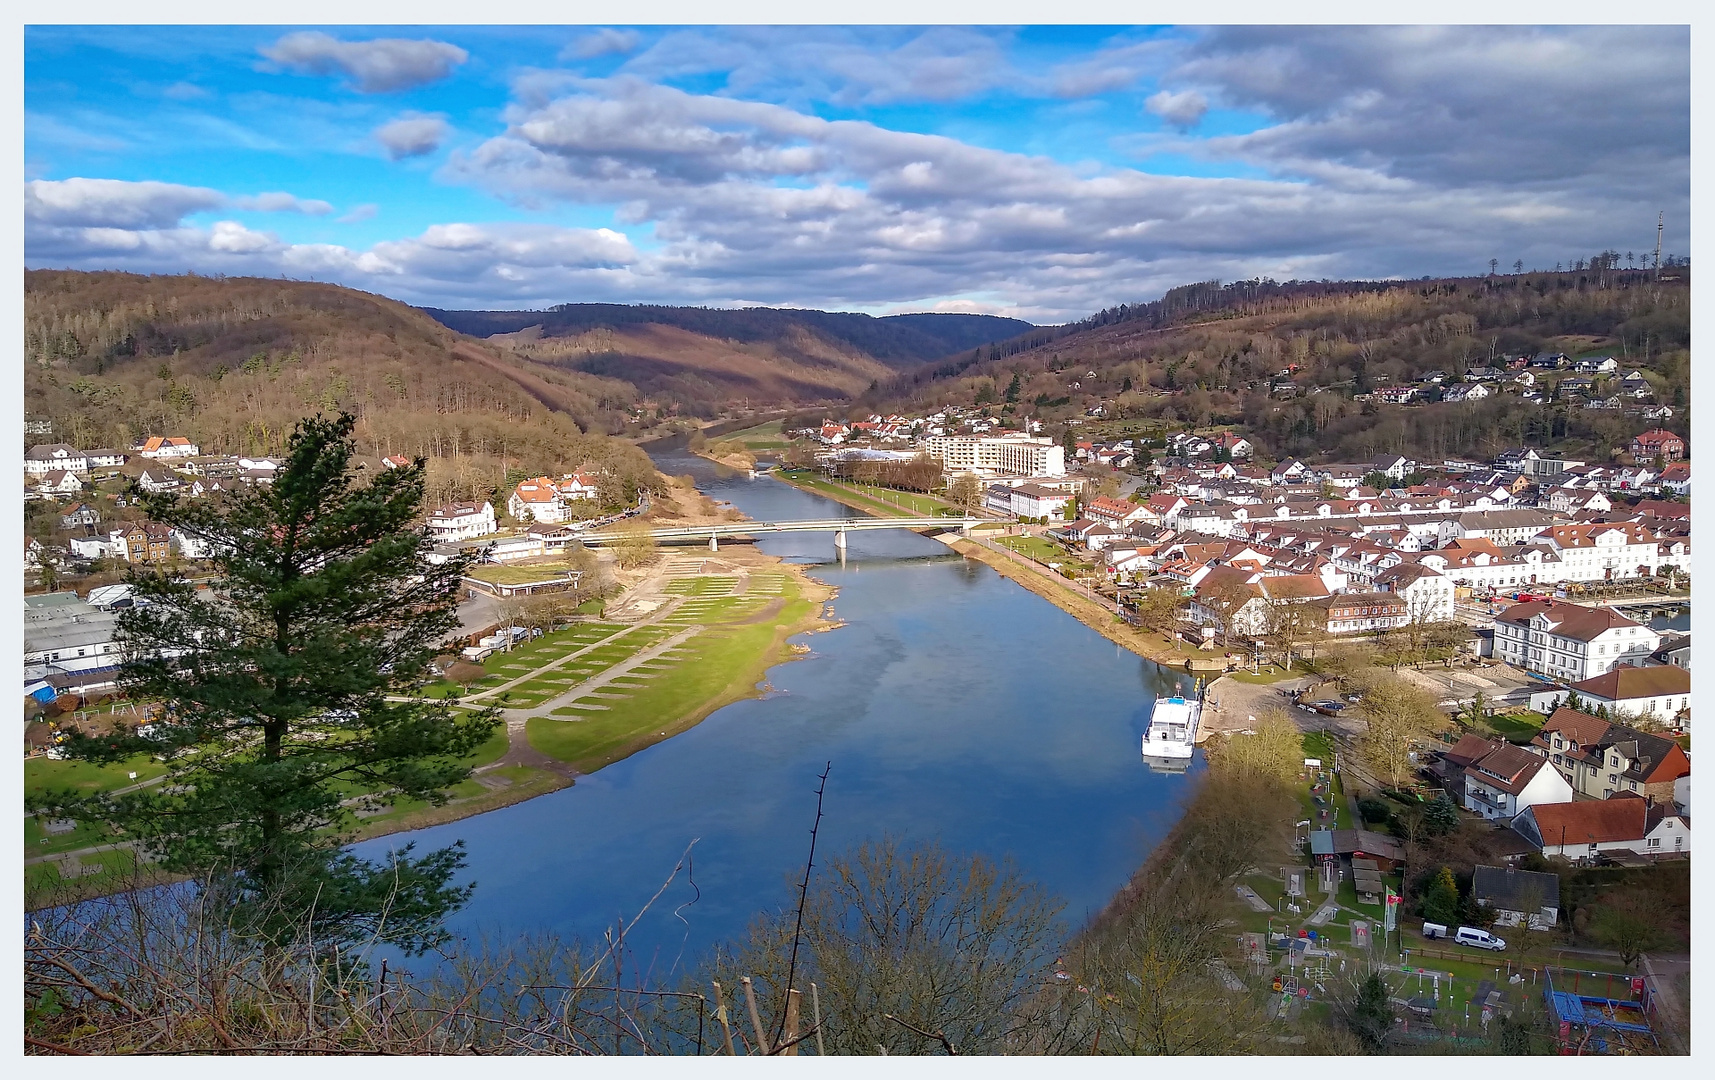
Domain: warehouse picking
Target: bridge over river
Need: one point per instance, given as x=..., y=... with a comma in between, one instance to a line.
x=838, y=526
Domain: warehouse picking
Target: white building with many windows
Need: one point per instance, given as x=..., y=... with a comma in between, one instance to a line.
x=1016, y=455
x=46, y=458
x=1570, y=641
x=1602, y=552
x=461, y=521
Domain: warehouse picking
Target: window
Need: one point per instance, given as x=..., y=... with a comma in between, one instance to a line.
x=1655, y=841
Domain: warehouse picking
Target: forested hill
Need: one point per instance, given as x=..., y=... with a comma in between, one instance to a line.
x=1293, y=364
x=899, y=341
x=234, y=362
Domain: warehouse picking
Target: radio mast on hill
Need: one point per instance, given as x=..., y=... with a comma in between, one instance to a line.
x=1659, y=218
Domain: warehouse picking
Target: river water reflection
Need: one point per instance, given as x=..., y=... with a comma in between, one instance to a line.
x=953, y=705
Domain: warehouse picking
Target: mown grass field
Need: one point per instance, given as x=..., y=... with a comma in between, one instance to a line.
x=1034, y=547
x=720, y=664
x=44, y=774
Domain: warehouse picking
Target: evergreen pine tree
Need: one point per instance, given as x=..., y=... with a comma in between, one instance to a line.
x=289, y=689
x=1439, y=817
x=1441, y=899
x=1371, y=1018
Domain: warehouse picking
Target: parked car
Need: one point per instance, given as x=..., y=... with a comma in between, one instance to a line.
x=1479, y=939
x=1328, y=708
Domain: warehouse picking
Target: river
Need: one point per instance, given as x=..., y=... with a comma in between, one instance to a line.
x=952, y=704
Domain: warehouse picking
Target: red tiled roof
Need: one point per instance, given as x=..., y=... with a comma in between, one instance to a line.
x=1624, y=683
x=1469, y=748
x=1579, y=727
x=1507, y=767
x=1567, y=620
x=1596, y=822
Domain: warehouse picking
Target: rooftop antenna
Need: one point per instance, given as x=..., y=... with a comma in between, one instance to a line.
x=1659, y=218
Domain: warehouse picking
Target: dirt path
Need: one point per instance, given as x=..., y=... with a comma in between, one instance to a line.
x=1235, y=706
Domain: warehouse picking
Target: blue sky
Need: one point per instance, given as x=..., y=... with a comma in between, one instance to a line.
x=1038, y=171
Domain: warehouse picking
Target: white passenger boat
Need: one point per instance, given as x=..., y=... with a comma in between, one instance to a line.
x=1172, y=733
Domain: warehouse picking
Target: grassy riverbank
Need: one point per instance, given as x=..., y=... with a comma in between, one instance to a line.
x=724, y=661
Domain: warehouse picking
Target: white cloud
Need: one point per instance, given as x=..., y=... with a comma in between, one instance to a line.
x=360, y=212
x=1118, y=67
x=603, y=42
x=474, y=264
x=1183, y=109
x=412, y=135
x=1378, y=152
x=122, y=204
x=847, y=66
x=276, y=202
x=383, y=65
x=1605, y=107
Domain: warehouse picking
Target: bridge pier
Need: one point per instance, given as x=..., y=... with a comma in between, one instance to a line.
x=714, y=542
x=840, y=541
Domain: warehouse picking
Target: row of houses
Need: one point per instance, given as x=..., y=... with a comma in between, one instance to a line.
x=1582, y=787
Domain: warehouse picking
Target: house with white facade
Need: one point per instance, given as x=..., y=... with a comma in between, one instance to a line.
x=45, y=458
x=461, y=521
x=1036, y=501
x=1428, y=595
x=155, y=479
x=578, y=487
x=1605, y=551
x=1506, y=780
x=1629, y=694
x=60, y=483
x=1625, y=825
x=1499, y=526
x=160, y=447
x=537, y=499
x=1570, y=641
x=1517, y=896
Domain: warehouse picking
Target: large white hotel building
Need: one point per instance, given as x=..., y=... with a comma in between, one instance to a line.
x=1016, y=455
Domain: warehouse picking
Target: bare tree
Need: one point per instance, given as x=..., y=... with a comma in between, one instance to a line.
x=1399, y=716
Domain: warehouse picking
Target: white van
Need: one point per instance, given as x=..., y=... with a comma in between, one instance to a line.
x=1479, y=939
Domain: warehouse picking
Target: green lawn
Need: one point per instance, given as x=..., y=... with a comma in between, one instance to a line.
x=38, y=842
x=1319, y=745
x=884, y=506
x=762, y=436
x=716, y=664
x=1045, y=551
x=518, y=575
x=1271, y=673
x=43, y=774
x=1517, y=727
x=916, y=503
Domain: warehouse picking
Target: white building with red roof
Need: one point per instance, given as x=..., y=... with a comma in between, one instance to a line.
x=537, y=499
